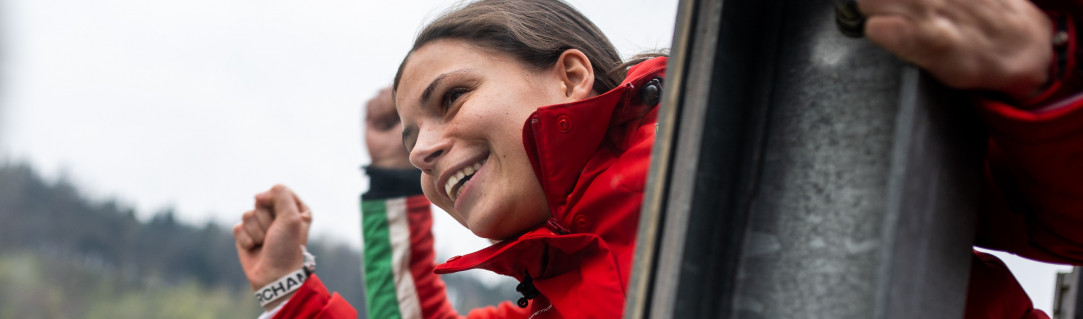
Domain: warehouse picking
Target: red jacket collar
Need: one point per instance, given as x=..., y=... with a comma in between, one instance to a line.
x=560, y=139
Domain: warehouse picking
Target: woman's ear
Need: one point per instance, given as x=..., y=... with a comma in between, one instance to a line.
x=576, y=74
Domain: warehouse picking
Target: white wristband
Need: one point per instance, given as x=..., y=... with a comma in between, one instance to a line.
x=281, y=287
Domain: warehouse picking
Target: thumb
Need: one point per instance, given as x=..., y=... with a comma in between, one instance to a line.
x=282, y=201
x=306, y=218
x=288, y=207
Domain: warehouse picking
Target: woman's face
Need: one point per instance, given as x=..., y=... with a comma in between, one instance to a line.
x=463, y=110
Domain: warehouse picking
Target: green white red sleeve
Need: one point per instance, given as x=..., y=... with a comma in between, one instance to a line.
x=399, y=258
x=396, y=224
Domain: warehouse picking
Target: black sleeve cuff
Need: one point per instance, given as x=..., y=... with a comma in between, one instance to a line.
x=392, y=182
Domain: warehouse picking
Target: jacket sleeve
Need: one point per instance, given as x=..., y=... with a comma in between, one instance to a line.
x=994, y=292
x=1033, y=190
x=399, y=255
x=313, y=301
x=1032, y=195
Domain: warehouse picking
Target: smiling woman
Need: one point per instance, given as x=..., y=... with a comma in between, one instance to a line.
x=527, y=129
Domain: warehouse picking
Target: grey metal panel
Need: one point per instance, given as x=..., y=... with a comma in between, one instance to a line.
x=814, y=176
x=654, y=199
x=1067, y=298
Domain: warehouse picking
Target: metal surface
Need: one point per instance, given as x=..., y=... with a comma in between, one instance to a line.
x=813, y=176
x=640, y=286
x=1067, y=299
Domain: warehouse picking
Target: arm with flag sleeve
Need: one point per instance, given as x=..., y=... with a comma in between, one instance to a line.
x=396, y=223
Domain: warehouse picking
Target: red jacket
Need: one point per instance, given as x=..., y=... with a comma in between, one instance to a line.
x=591, y=157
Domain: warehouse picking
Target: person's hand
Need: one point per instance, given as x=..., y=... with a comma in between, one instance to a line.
x=383, y=132
x=269, y=237
x=995, y=45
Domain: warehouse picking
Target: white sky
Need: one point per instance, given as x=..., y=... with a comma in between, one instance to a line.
x=200, y=104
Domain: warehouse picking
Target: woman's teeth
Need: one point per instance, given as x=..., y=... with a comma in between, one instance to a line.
x=460, y=178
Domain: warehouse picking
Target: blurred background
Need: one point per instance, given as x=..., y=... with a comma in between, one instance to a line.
x=134, y=133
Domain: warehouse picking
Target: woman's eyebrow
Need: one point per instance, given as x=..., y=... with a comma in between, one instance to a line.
x=427, y=93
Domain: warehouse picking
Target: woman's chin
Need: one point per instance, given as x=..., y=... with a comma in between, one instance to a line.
x=498, y=228
x=486, y=228
x=486, y=231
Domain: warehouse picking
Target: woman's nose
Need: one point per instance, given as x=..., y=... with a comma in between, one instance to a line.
x=428, y=149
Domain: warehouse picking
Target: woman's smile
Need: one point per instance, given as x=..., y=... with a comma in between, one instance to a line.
x=463, y=110
x=455, y=179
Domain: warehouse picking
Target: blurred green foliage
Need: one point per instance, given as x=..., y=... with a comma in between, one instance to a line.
x=33, y=287
x=66, y=256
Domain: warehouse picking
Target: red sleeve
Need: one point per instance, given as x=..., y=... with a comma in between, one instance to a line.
x=994, y=293
x=1033, y=192
x=431, y=291
x=1034, y=183
x=313, y=301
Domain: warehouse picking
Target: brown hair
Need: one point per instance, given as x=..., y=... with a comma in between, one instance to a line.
x=535, y=32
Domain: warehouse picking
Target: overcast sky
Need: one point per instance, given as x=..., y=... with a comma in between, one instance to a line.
x=200, y=104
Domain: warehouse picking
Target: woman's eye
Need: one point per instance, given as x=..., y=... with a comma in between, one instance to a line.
x=451, y=96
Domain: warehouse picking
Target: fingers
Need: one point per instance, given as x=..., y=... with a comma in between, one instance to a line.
x=892, y=32
x=264, y=217
x=990, y=45
x=885, y=7
x=243, y=240
x=252, y=228
x=380, y=113
x=911, y=8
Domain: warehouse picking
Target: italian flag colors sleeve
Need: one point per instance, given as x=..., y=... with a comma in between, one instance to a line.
x=399, y=259
x=399, y=256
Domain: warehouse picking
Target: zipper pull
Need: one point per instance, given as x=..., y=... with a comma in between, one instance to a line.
x=555, y=226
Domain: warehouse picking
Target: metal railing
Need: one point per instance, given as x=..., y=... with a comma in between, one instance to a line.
x=798, y=173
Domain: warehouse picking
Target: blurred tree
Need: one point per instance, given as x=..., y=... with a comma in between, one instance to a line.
x=63, y=256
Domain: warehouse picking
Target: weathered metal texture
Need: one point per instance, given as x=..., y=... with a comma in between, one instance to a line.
x=641, y=284
x=1067, y=299
x=814, y=176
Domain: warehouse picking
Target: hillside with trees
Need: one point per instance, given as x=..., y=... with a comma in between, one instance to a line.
x=66, y=256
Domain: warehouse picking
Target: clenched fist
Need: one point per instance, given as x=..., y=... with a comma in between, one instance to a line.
x=270, y=236
x=383, y=132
